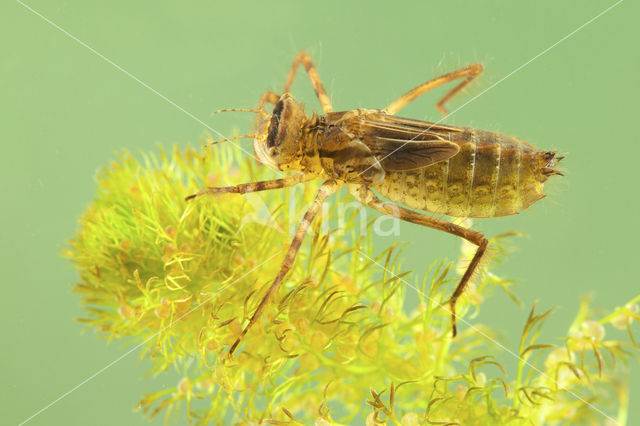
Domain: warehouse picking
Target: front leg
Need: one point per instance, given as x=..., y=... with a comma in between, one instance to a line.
x=366, y=196
x=269, y=97
x=304, y=60
x=264, y=185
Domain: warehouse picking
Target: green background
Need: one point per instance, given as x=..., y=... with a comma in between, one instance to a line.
x=65, y=112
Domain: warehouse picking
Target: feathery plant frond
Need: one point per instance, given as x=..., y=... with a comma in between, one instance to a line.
x=337, y=345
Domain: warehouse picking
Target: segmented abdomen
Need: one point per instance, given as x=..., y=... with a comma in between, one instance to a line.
x=492, y=175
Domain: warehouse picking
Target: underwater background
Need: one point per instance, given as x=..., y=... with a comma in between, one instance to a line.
x=158, y=70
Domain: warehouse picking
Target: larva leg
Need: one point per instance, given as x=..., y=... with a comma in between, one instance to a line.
x=468, y=73
x=366, y=196
x=327, y=188
x=304, y=60
x=268, y=96
x=254, y=186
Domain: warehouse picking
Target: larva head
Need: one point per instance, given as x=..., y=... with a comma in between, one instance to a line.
x=277, y=143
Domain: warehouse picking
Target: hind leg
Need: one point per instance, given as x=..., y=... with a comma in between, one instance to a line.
x=367, y=197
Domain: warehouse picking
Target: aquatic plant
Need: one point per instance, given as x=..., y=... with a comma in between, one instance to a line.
x=339, y=344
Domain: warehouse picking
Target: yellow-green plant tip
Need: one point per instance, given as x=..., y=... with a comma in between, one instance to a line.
x=337, y=344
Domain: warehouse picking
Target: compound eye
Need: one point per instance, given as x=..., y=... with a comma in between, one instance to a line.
x=274, y=124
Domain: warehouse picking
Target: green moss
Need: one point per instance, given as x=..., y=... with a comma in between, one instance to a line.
x=337, y=345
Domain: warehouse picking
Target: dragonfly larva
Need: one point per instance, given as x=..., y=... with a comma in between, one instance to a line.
x=438, y=168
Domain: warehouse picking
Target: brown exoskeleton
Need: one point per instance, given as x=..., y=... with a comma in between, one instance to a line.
x=455, y=171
